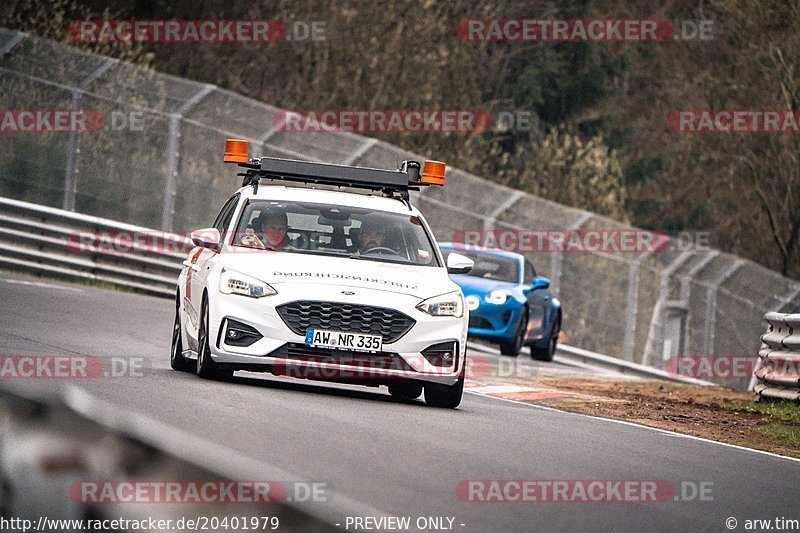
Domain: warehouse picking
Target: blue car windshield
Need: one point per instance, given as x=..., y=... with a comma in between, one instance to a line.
x=493, y=266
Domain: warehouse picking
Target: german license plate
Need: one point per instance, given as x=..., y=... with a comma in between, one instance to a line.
x=341, y=340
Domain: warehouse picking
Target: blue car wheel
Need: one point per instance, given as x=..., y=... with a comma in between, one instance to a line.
x=513, y=348
x=546, y=349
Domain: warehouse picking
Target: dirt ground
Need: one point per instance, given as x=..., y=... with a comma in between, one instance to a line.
x=714, y=413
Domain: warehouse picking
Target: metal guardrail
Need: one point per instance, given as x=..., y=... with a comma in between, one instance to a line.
x=597, y=362
x=778, y=372
x=66, y=244
x=584, y=358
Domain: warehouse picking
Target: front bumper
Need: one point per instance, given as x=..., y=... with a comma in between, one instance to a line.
x=282, y=351
x=497, y=322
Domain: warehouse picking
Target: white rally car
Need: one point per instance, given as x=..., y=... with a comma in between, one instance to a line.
x=324, y=284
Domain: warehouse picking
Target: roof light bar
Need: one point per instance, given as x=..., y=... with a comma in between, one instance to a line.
x=410, y=176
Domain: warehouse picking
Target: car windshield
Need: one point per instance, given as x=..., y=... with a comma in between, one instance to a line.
x=492, y=266
x=335, y=230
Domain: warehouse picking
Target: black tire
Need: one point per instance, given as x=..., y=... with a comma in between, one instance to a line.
x=206, y=367
x=406, y=391
x=446, y=396
x=514, y=348
x=548, y=352
x=176, y=359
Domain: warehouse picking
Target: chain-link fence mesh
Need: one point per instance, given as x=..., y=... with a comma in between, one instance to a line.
x=155, y=161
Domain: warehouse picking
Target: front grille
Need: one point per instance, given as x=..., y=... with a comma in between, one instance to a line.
x=338, y=316
x=301, y=352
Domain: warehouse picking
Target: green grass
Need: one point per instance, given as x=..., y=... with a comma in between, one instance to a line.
x=781, y=419
x=784, y=410
x=789, y=435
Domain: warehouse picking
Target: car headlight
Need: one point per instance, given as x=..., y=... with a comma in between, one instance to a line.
x=233, y=282
x=498, y=297
x=450, y=304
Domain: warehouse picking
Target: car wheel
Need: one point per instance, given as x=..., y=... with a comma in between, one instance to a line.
x=448, y=396
x=513, y=348
x=176, y=359
x=548, y=352
x=406, y=391
x=206, y=367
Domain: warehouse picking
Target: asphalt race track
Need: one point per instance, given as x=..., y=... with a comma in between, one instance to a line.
x=390, y=457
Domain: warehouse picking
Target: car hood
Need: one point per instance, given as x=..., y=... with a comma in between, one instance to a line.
x=473, y=284
x=278, y=268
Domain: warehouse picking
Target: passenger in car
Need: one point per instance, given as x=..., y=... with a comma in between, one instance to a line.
x=272, y=226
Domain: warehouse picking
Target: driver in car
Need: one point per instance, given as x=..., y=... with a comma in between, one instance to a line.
x=372, y=236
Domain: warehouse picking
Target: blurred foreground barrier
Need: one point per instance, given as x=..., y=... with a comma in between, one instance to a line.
x=59, y=449
x=778, y=371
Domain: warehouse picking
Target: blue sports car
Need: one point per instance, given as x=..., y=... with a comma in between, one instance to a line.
x=508, y=303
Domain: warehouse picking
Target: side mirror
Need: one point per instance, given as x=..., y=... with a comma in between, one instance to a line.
x=459, y=264
x=207, y=238
x=540, y=283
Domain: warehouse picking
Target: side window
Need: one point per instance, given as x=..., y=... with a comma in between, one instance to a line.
x=529, y=274
x=223, y=221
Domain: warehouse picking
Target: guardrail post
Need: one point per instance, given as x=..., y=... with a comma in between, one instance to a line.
x=632, y=307
x=711, y=306
x=686, y=288
x=657, y=318
x=173, y=147
x=73, y=145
